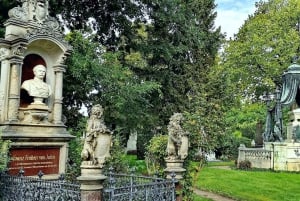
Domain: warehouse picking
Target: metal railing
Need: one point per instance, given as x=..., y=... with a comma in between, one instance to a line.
x=117, y=187
x=20, y=188
x=122, y=187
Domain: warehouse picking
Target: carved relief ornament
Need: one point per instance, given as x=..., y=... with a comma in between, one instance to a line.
x=18, y=50
x=4, y=53
x=35, y=11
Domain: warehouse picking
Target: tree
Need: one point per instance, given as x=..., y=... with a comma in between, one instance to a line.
x=263, y=48
x=174, y=47
x=180, y=47
x=253, y=62
x=110, y=20
x=97, y=76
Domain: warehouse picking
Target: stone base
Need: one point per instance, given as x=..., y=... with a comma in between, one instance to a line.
x=36, y=137
x=91, y=183
x=87, y=170
x=286, y=155
x=34, y=114
x=174, y=166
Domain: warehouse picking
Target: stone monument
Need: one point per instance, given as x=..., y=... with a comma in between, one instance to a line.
x=96, y=149
x=281, y=149
x=32, y=56
x=177, y=147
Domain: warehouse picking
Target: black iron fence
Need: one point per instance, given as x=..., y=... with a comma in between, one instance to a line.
x=123, y=187
x=20, y=188
x=117, y=187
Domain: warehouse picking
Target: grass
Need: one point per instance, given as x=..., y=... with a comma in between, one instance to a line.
x=250, y=185
x=238, y=184
x=139, y=165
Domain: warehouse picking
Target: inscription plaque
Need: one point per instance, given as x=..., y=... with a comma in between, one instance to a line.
x=32, y=160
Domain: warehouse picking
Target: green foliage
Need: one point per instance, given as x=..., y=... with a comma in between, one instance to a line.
x=154, y=67
x=118, y=160
x=179, y=48
x=97, y=76
x=112, y=20
x=75, y=148
x=156, y=153
x=245, y=118
x=263, y=48
x=4, y=158
x=241, y=127
x=139, y=166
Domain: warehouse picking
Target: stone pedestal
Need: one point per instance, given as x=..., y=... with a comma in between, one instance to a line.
x=286, y=155
x=34, y=115
x=175, y=166
x=91, y=181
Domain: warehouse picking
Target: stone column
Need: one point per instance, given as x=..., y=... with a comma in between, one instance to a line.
x=4, y=81
x=91, y=183
x=58, y=98
x=14, y=88
x=241, y=156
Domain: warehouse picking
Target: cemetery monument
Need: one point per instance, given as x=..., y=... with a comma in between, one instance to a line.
x=32, y=55
x=281, y=150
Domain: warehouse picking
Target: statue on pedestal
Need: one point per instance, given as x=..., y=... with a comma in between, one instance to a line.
x=36, y=87
x=177, y=147
x=98, y=139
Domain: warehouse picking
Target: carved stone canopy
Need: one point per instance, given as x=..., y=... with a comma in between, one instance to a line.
x=31, y=10
x=291, y=83
x=31, y=21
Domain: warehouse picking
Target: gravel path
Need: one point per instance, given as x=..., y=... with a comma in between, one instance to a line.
x=211, y=195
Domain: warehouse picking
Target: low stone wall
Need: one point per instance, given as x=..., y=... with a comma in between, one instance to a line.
x=259, y=157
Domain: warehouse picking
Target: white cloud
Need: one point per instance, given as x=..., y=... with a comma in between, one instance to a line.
x=232, y=14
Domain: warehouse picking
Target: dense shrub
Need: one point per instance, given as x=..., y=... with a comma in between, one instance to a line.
x=155, y=154
x=244, y=165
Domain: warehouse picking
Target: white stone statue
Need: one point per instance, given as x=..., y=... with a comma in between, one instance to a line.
x=98, y=139
x=36, y=87
x=177, y=147
x=41, y=10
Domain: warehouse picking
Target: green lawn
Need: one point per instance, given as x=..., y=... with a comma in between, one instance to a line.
x=250, y=185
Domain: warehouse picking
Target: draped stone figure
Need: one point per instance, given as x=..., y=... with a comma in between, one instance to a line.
x=98, y=139
x=274, y=123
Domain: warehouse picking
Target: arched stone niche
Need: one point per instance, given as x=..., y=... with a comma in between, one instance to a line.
x=51, y=54
x=30, y=61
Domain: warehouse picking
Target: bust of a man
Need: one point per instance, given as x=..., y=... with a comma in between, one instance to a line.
x=36, y=87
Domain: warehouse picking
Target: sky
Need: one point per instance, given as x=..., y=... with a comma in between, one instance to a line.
x=231, y=14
